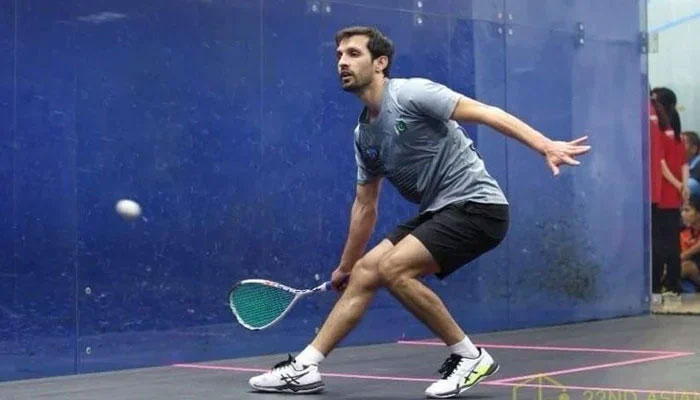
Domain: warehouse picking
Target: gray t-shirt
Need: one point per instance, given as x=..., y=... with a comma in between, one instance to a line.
x=415, y=145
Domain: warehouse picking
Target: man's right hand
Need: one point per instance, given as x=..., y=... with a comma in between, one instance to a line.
x=339, y=279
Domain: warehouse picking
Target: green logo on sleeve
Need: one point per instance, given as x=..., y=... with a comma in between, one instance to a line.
x=400, y=127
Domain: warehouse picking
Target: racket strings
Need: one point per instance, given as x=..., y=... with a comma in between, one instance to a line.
x=258, y=304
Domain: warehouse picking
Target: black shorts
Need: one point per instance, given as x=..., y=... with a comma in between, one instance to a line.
x=457, y=233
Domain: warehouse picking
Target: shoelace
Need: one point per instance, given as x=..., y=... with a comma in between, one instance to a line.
x=284, y=363
x=449, y=365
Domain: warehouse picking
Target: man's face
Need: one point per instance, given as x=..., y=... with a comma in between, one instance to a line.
x=355, y=65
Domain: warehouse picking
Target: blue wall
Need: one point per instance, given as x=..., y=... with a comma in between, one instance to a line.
x=225, y=120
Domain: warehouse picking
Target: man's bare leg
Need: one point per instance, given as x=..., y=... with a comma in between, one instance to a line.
x=300, y=374
x=347, y=312
x=400, y=270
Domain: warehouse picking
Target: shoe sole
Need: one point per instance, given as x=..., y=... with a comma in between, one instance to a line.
x=302, y=389
x=492, y=370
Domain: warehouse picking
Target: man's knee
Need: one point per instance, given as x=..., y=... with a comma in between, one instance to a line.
x=391, y=272
x=365, y=273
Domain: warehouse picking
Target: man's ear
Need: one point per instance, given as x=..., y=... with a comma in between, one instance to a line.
x=380, y=63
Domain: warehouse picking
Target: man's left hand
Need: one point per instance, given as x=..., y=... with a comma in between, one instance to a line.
x=558, y=153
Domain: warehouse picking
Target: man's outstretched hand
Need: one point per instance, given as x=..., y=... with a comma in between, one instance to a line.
x=558, y=153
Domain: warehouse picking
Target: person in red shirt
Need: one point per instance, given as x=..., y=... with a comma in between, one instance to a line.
x=666, y=219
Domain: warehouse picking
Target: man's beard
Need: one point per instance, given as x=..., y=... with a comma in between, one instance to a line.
x=357, y=84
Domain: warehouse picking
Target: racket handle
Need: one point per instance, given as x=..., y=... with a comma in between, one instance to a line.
x=326, y=286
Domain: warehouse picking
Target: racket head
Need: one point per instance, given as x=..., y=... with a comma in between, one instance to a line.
x=259, y=303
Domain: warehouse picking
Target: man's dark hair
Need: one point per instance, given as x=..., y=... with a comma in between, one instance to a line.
x=378, y=44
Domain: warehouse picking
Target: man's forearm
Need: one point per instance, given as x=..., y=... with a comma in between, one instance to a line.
x=515, y=128
x=362, y=221
x=556, y=152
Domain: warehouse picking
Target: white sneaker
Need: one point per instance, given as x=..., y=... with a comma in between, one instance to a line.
x=289, y=376
x=460, y=373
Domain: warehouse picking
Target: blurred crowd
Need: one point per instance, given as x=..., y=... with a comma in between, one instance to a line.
x=675, y=198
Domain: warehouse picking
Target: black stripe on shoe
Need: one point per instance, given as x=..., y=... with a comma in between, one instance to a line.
x=293, y=388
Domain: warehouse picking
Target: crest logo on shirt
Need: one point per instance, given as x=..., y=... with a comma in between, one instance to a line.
x=400, y=127
x=372, y=159
x=372, y=153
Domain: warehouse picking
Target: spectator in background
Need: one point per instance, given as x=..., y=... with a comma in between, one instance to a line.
x=666, y=219
x=667, y=98
x=690, y=239
x=691, y=140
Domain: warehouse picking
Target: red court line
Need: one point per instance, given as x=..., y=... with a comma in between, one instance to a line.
x=594, y=367
x=546, y=348
x=407, y=379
